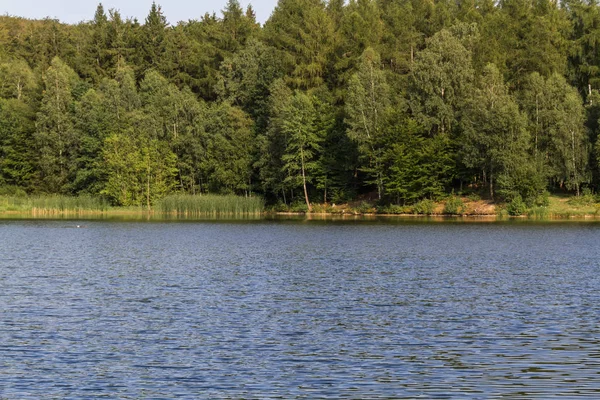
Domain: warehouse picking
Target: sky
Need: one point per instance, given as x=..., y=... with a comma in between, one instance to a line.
x=73, y=11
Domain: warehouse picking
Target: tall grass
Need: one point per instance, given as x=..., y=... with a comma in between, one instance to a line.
x=538, y=213
x=210, y=205
x=53, y=204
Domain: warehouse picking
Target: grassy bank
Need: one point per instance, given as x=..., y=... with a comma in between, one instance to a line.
x=453, y=205
x=175, y=205
x=555, y=207
x=188, y=206
x=210, y=205
x=585, y=206
x=52, y=205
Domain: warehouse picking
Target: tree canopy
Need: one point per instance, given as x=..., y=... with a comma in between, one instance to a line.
x=328, y=101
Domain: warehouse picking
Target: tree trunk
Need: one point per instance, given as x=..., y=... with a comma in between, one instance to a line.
x=491, y=185
x=574, y=162
x=304, y=181
x=19, y=89
x=537, y=123
x=148, y=186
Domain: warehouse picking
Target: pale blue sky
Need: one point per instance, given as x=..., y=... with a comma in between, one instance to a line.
x=72, y=11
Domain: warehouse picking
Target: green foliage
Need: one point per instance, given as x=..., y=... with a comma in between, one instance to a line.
x=557, y=120
x=55, y=135
x=139, y=173
x=394, y=209
x=440, y=82
x=538, y=212
x=425, y=206
x=17, y=154
x=474, y=196
x=228, y=150
x=302, y=32
x=454, y=206
x=52, y=204
x=17, y=80
x=516, y=206
x=328, y=100
x=367, y=108
x=586, y=198
x=364, y=208
x=543, y=200
x=303, y=142
x=245, y=78
x=526, y=182
x=199, y=205
x=299, y=207
x=272, y=143
x=12, y=191
x=495, y=139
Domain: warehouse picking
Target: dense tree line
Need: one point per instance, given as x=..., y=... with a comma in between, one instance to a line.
x=403, y=99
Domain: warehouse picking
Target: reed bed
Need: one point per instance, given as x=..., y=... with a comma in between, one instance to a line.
x=210, y=205
x=53, y=204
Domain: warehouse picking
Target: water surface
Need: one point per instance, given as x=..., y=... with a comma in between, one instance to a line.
x=292, y=309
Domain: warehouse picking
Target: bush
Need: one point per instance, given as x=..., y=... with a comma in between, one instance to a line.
x=299, y=206
x=280, y=207
x=454, y=206
x=10, y=190
x=340, y=195
x=364, y=208
x=525, y=183
x=326, y=208
x=516, y=206
x=425, y=206
x=474, y=197
x=394, y=209
x=543, y=199
x=585, y=199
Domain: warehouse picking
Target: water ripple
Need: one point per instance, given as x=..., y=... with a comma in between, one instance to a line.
x=295, y=310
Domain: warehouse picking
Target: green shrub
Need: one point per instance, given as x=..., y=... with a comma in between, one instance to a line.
x=10, y=190
x=543, y=199
x=364, y=208
x=299, y=207
x=516, y=206
x=501, y=212
x=454, y=206
x=340, y=195
x=394, y=209
x=586, y=198
x=474, y=197
x=280, y=207
x=425, y=206
x=322, y=208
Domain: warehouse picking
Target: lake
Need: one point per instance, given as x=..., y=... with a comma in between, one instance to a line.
x=299, y=309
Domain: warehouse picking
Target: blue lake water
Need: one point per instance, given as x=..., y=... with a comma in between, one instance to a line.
x=292, y=309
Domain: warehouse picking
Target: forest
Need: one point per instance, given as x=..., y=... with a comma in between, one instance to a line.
x=394, y=100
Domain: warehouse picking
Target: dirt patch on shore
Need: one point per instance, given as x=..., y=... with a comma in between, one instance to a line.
x=479, y=207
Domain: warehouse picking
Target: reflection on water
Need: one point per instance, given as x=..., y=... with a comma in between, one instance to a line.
x=283, y=309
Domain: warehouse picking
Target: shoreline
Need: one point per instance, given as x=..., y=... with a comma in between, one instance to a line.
x=126, y=214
